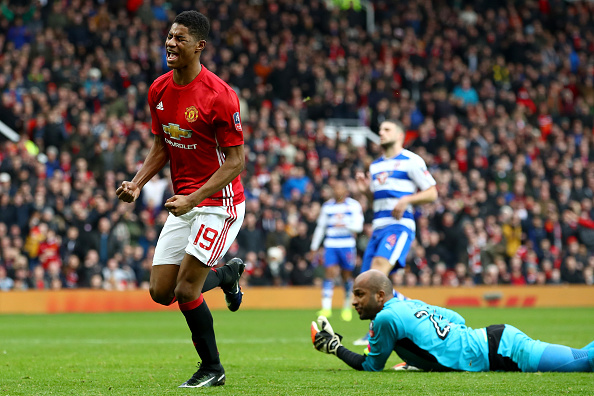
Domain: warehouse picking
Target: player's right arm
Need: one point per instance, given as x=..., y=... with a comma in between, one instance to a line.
x=153, y=163
x=381, y=346
x=318, y=234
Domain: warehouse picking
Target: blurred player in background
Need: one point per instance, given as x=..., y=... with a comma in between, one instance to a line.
x=396, y=181
x=339, y=220
x=436, y=339
x=197, y=129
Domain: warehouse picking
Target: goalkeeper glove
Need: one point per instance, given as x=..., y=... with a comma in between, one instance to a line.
x=325, y=340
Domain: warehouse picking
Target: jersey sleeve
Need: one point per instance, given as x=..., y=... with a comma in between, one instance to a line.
x=381, y=343
x=226, y=120
x=420, y=175
x=155, y=125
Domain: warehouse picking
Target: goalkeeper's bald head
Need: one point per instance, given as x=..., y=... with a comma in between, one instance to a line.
x=375, y=281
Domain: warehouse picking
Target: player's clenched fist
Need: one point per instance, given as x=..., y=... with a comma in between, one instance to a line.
x=128, y=192
x=179, y=205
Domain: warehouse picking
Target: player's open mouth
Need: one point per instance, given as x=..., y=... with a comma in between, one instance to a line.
x=172, y=56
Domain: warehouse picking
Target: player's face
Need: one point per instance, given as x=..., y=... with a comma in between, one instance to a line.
x=182, y=48
x=365, y=302
x=390, y=134
x=340, y=191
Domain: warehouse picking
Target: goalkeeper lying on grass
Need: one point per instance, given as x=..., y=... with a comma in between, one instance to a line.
x=436, y=339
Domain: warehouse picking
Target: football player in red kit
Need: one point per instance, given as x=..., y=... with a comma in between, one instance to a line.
x=197, y=129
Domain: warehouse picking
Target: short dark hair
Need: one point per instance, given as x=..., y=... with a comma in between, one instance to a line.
x=396, y=122
x=197, y=24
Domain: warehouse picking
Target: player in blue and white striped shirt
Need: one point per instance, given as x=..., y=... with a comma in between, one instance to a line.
x=397, y=181
x=339, y=220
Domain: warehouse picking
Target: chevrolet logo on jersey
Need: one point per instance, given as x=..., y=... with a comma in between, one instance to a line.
x=176, y=132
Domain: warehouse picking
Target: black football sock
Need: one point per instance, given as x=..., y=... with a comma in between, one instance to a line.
x=199, y=321
x=221, y=276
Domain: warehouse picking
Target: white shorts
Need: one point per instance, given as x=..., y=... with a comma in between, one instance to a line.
x=205, y=232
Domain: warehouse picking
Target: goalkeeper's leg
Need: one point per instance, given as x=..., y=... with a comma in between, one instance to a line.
x=532, y=355
x=565, y=359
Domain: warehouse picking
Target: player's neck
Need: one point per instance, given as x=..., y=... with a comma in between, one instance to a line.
x=187, y=74
x=392, y=151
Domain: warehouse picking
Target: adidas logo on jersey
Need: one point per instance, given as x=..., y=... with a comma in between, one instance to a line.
x=160, y=106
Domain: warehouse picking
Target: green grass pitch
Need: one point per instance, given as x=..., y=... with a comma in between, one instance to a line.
x=264, y=353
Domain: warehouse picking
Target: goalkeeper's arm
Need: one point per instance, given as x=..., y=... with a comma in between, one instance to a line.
x=351, y=358
x=327, y=341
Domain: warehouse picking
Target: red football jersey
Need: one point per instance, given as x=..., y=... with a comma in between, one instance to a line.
x=196, y=120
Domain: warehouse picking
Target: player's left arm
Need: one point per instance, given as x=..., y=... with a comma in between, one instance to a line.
x=427, y=190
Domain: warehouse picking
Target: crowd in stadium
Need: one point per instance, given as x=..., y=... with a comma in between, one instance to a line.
x=497, y=98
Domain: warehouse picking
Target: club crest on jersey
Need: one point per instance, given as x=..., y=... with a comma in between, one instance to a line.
x=237, y=121
x=176, y=132
x=191, y=114
x=371, y=332
x=382, y=177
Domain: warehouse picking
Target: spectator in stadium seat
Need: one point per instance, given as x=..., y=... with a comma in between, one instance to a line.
x=571, y=271
x=71, y=244
x=6, y=283
x=251, y=235
x=90, y=268
x=296, y=182
x=104, y=241
x=589, y=276
x=71, y=271
x=465, y=93
x=114, y=277
x=38, y=280
x=299, y=245
x=278, y=236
